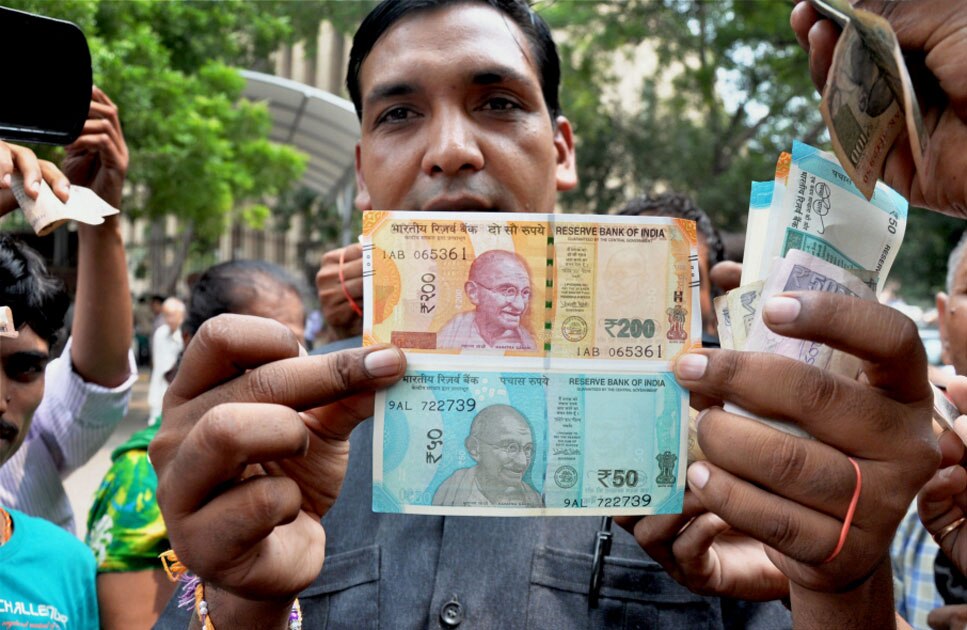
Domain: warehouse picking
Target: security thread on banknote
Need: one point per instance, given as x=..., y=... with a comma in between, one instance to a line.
x=546, y=286
x=528, y=443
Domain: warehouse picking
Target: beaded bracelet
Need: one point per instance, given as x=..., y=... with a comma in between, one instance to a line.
x=193, y=586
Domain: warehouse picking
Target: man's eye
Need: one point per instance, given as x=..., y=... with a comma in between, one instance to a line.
x=500, y=104
x=397, y=114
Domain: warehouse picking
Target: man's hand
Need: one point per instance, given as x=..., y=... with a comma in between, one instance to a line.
x=342, y=320
x=933, y=36
x=252, y=453
x=791, y=493
x=948, y=617
x=17, y=159
x=943, y=500
x=98, y=159
x=701, y=552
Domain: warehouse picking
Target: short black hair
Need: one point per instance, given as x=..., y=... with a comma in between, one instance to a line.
x=229, y=287
x=388, y=12
x=37, y=299
x=673, y=204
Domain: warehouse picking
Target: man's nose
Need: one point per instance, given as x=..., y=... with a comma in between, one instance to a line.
x=519, y=301
x=452, y=147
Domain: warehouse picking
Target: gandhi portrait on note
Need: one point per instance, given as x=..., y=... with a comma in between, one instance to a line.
x=499, y=287
x=502, y=444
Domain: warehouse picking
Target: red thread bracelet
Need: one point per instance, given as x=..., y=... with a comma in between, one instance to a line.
x=342, y=283
x=849, y=512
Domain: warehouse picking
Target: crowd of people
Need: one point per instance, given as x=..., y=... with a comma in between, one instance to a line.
x=255, y=488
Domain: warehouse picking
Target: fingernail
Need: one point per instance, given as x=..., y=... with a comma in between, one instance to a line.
x=34, y=186
x=781, y=310
x=6, y=180
x=947, y=473
x=385, y=362
x=64, y=187
x=691, y=366
x=697, y=475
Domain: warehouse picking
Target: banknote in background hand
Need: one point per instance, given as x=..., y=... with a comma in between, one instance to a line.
x=868, y=97
x=47, y=213
x=530, y=443
x=547, y=286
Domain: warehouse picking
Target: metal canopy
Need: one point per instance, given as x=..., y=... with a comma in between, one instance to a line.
x=317, y=122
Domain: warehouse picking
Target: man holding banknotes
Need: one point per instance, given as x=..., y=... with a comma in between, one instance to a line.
x=459, y=111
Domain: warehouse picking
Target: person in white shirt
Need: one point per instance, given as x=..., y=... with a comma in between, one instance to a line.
x=89, y=385
x=166, y=347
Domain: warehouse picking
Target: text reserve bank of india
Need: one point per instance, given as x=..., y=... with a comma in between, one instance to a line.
x=539, y=350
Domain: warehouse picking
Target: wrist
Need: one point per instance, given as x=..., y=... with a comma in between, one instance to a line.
x=226, y=610
x=868, y=603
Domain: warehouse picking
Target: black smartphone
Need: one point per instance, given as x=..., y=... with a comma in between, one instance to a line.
x=45, y=88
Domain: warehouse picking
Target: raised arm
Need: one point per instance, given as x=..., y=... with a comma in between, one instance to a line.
x=103, y=328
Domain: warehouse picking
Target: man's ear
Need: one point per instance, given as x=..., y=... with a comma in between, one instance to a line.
x=473, y=292
x=363, y=200
x=473, y=446
x=567, y=174
x=942, y=299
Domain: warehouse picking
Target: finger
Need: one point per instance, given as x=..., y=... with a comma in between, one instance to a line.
x=936, y=502
x=6, y=165
x=787, y=527
x=247, y=512
x=805, y=471
x=957, y=391
x=951, y=444
x=953, y=617
x=262, y=566
x=691, y=548
x=352, y=269
x=726, y=275
x=818, y=401
x=56, y=180
x=226, y=346
x=801, y=19
x=354, y=252
x=661, y=529
x=307, y=383
x=882, y=336
x=28, y=165
x=337, y=420
x=822, y=37
x=228, y=438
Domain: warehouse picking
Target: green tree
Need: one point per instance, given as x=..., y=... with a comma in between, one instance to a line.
x=198, y=150
x=731, y=90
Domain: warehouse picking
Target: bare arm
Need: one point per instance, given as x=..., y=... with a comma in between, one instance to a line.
x=103, y=327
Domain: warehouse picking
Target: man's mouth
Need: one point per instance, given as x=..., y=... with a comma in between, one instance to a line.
x=459, y=203
x=8, y=430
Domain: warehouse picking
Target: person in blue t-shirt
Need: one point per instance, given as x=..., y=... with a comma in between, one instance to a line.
x=46, y=575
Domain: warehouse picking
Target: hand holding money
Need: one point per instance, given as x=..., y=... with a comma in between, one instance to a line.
x=20, y=161
x=931, y=31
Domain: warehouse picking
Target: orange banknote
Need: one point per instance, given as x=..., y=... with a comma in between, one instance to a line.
x=531, y=285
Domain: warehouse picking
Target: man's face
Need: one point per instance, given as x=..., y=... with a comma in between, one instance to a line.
x=952, y=317
x=173, y=316
x=453, y=118
x=501, y=293
x=504, y=451
x=23, y=362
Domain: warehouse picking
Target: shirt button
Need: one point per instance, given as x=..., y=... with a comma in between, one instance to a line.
x=451, y=615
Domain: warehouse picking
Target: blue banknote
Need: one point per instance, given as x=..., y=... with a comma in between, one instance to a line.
x=528, y=443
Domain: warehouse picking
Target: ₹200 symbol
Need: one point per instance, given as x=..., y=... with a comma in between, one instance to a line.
x=630, y=327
